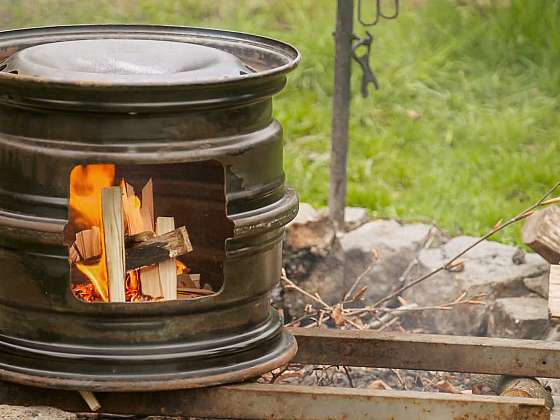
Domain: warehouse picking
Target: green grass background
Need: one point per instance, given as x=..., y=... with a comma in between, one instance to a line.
x=463, y=132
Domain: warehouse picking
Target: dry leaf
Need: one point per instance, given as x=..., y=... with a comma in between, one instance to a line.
x=379, y=384
x=374, y=254
x=444, y=386
x=338, y=316
x=402, y=300
x=360, y=293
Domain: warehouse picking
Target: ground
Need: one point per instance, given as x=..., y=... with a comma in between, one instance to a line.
x=464, y=130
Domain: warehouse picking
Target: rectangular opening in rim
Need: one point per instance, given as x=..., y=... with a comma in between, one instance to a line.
x=146, y=233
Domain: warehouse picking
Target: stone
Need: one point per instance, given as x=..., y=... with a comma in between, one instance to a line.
x=310, y=230
x=313, y=259
x=538, y=284
x=387, y=244
x=306, y=213
x=354, y=217
x=518, y=317
x=324, y=276
x=14, y=412
x=489, y=269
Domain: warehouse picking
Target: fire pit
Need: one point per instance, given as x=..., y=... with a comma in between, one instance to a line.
x=142, y=207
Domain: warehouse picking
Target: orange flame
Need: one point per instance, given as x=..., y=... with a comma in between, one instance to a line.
x=181, y=268
x=86, y=182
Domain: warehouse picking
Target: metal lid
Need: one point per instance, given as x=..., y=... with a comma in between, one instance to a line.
x=139, y=68
x=125, y=61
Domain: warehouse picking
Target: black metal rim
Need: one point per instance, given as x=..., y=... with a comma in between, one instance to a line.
x=20, y=38
x=241, y=366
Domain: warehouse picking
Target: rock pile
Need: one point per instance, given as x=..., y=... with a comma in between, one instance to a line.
x=513, y=282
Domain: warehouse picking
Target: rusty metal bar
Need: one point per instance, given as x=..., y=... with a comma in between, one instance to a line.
x=257, y=401
x=531, y=358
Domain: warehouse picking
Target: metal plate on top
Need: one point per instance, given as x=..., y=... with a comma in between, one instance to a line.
x=125, y=60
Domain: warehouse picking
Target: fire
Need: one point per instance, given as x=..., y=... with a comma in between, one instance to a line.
x=181, y=268
x=86, y=182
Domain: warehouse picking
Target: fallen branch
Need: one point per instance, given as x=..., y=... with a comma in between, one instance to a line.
x=498, y=227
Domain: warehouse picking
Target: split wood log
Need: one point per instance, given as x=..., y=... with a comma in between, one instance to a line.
x=150, y=281
x=132, y=240
x=188, y=280
x=554, y=291
x=158, y=249
x=147, y=210
x=113, y=232
x=87, y=246
x=140, y=224
x=541, y=232
x=511, y=386
x=91, y=400
x=167, y=268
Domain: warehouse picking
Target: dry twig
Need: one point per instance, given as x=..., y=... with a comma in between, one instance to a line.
x=499, y=226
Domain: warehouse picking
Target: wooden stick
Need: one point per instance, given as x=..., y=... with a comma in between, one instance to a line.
x=196, y=291
x=167, y=268
x=91, y=400
x=161, y=248
x=113, y=232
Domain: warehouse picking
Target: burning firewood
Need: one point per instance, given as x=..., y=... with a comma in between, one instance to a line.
x=147, y=210
x=87, y=246
x=161, y=248
x=154, y=250
x=113, y=232
x=139, y=220
x=188, y=280
x=167, y=268
x=122, y=250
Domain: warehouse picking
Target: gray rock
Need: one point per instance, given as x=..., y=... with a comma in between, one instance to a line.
x=310, y=230
x=518, y=317
x=488, y=269
x=306, y=213
x=395, y=246
x=553, y=334
x=313, y=259
x=325, y=276
x=538, y=284
x=13, y=412
x=355, y=217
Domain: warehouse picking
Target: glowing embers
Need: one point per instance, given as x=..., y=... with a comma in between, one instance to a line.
x=119, y=249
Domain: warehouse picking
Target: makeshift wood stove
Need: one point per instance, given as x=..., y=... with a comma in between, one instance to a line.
x=142, y=206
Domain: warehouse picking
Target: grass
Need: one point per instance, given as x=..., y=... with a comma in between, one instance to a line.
x=464, y=130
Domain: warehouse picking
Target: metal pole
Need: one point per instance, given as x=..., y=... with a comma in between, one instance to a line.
x=341, y=110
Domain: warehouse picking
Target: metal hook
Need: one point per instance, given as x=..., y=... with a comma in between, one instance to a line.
x=363, y=60
x=378, y=13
